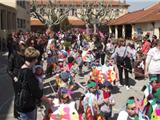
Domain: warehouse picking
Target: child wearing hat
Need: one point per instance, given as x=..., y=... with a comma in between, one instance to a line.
x=130, y=112
x=106, y=100
x=90, y=103
x=63, y=103
x=38, y=71
x=50, y=61
x=150, y=88
x=153, y=110
x=110, y=70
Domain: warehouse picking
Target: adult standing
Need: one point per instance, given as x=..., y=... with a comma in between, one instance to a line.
x=152, y=65
x=10, y=45
x=154, y=41
x=102, y=52
x=16, y=60
x=29, y=91
x=123, y=55
x=146, y=46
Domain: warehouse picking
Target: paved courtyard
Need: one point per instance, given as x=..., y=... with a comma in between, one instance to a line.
x=6, y=92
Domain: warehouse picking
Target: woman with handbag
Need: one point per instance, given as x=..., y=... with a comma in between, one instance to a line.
x=123, y=56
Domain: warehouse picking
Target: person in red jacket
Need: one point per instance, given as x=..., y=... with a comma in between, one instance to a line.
x=146, y=46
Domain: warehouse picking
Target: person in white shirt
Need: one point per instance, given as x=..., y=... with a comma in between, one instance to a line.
x=152, y=65
x=123, y=56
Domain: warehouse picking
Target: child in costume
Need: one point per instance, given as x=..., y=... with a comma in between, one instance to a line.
x=130, y=112
x=64, y=79
x=106, y=101
x=110, y=70
x=39, y=73
x=63, y=107
x=50, y=64
x=90, y=103
x=153, y=108
x=79, y=62
x=150, y=88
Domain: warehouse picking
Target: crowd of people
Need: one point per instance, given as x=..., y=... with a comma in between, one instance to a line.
x=33, y=57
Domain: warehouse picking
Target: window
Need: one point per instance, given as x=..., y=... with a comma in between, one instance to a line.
x=21, y=3
x=21, y=23
x=8, y=20
x=13, y=21
x=3, y=19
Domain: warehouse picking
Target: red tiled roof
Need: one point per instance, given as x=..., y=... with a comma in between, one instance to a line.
x=75, y=21
x=36, y=22
x=145, y=15
x=72, y=21
x=79, y=2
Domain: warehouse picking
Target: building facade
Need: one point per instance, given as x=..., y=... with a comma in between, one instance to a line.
x=7, y=23
x=137, y=23
x=22, y=8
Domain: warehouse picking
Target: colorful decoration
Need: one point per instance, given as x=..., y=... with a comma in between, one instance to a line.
x=111, y=74
x=97, y=75
x=156, y=112
x=65, y=112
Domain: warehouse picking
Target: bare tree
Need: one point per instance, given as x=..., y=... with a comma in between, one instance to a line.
x=49, y=13
x=94, y=13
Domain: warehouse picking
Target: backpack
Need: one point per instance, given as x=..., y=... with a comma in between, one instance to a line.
x=24, y=101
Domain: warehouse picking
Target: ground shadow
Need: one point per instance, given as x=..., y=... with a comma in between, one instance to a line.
x=6, y=90
x=115, y=90
x=115, y=116
x=132, y=82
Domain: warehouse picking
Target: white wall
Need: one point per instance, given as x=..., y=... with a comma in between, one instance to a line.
x=145, y=28
x=24, y=14
x=157, y=29
x=11, y=3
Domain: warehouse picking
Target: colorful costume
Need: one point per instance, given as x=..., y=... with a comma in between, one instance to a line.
x=64, y=112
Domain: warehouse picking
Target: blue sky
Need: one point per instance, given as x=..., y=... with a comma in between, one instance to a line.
x=139, y=4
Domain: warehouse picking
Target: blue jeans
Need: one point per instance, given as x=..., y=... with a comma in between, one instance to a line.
x=29, y=115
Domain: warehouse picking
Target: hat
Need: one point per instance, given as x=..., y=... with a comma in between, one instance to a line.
x=60, y=60
x=130, y=101
x=153, y=78
x=37, y=66
x=157, y=94
x=107, y=84
x=64, y=75
x=91, y=84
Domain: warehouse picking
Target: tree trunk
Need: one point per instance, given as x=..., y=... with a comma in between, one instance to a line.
x=87, y=28
x=95, y=28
